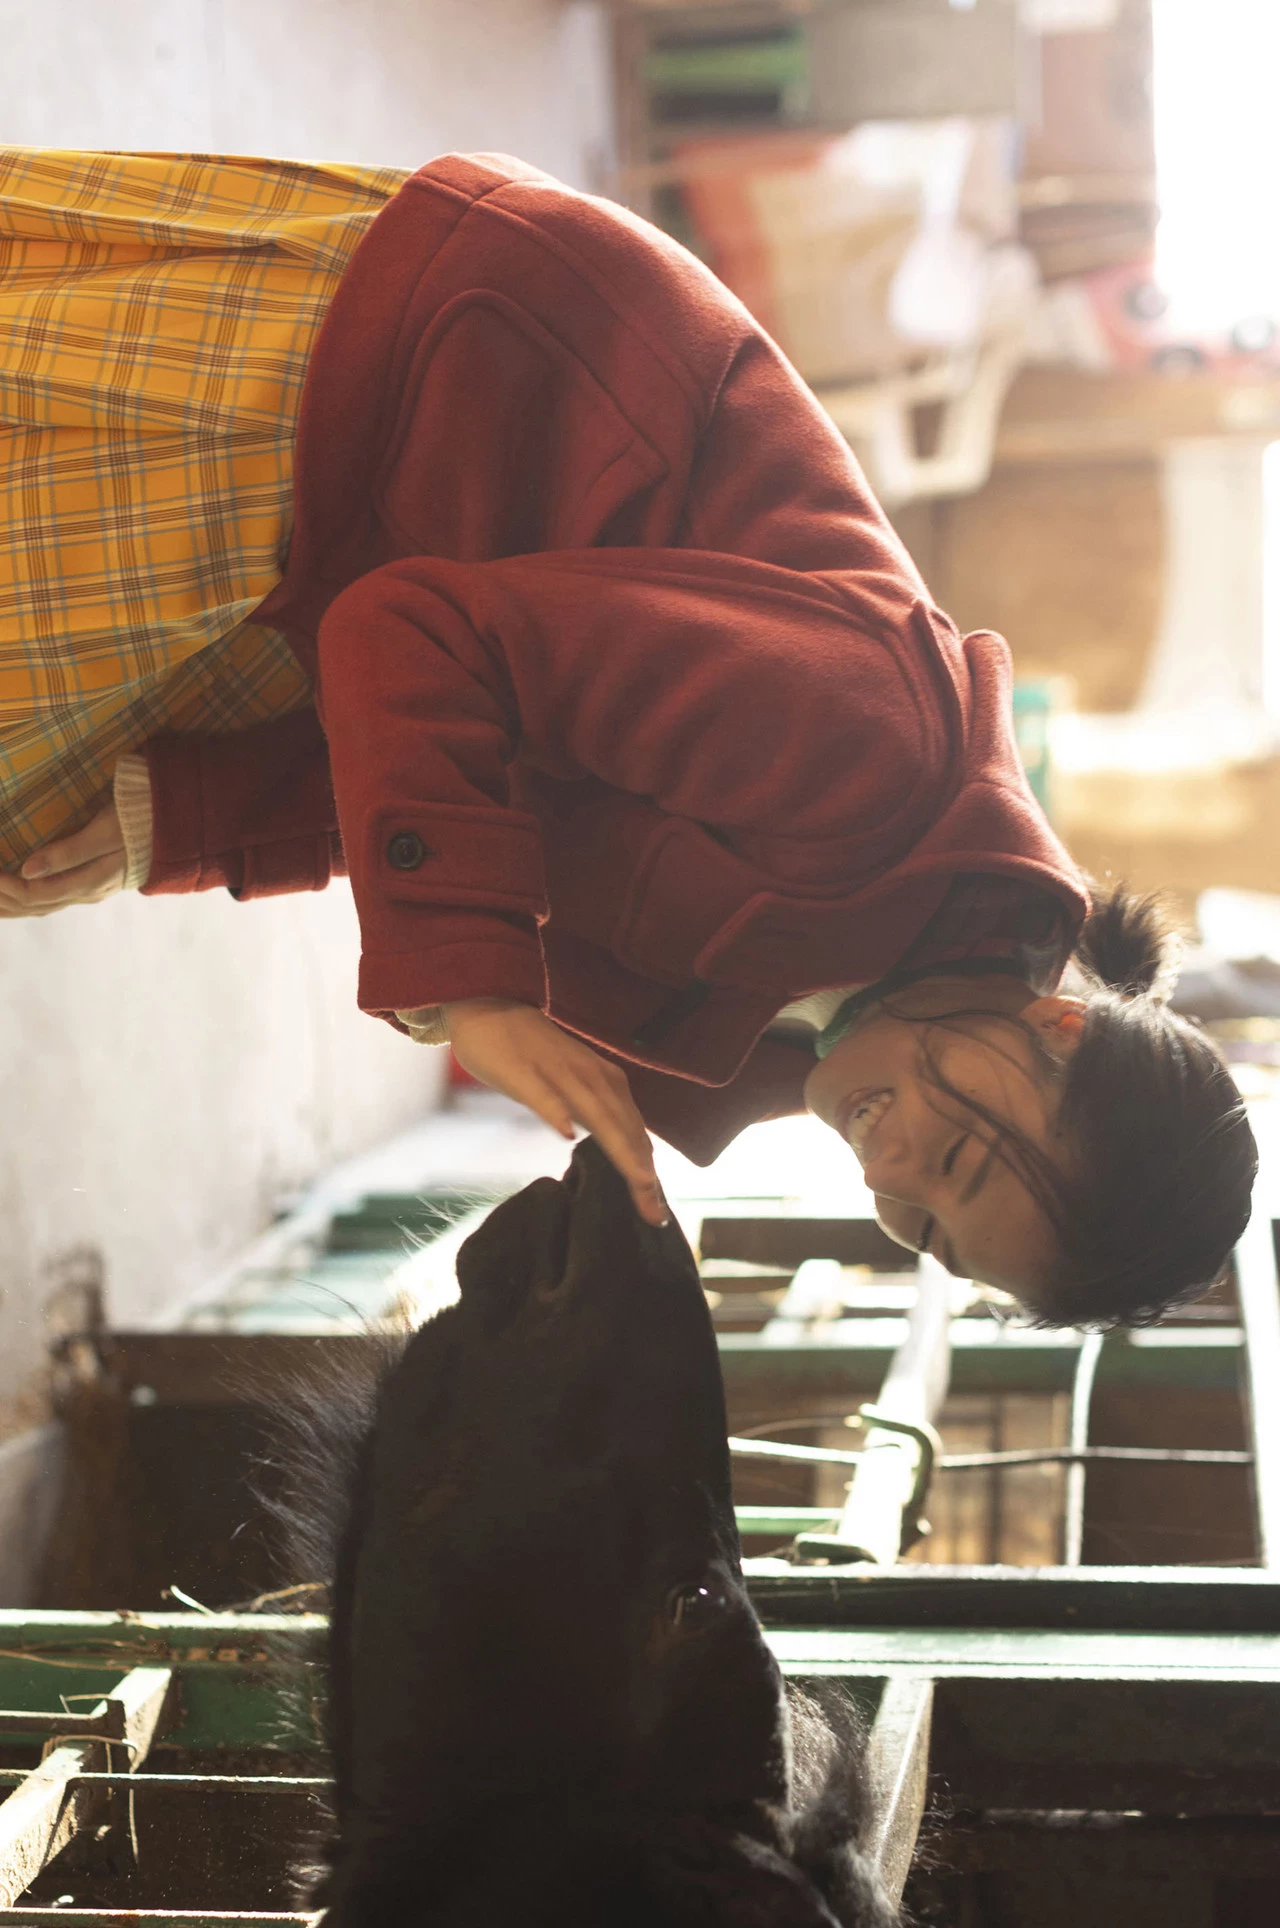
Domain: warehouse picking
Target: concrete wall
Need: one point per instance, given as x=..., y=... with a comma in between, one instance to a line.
x=394, y=81
x=169, y=1069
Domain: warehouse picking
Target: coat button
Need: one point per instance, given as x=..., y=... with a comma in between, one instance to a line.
x=406, y=851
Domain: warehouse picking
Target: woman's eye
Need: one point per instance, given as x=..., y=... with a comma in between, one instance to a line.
x=953, y=1152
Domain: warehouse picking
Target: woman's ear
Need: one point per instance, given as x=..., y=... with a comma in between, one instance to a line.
x=1057, y=1021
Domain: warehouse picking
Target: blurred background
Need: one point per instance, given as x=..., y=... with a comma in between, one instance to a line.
x=1025, y=253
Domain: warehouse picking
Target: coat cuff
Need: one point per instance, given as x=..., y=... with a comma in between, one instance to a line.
x=480, y=957
x=209, y=799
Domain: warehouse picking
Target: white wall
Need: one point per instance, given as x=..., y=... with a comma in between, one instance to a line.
x=172, y=1068
x=392, y=81
x=169, y=1068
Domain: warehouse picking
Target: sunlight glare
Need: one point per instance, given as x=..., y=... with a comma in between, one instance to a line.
x=1217, y=160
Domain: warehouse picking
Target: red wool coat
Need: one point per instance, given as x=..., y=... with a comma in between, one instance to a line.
x=633, y=704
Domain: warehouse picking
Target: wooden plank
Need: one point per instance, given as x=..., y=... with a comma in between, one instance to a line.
x=53, y=1803
x=42, y=1814
x=1061, y=1847
x=897, y=1769
x=786, y=1240
x=227, y=1368
x=1259, y=1293
x=139, y=1706
x=1065, y=414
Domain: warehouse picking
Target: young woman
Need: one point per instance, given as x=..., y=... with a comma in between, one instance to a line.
x=666, y=793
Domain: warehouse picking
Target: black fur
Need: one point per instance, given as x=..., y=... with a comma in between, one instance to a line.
x=550, y=1700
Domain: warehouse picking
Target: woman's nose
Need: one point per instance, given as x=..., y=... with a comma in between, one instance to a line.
x=901, y=1164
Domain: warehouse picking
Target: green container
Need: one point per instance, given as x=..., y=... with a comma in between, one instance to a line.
x=779, y=64
x=1033, y=705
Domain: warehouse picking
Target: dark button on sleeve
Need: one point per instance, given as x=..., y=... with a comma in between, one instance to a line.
x=406, y=851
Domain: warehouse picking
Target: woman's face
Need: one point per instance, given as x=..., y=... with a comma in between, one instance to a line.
x=933, y=1164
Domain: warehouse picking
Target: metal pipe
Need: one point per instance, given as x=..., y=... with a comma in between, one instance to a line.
x=33, y=1917
x=1066, y=1456
x=779, y=1449
x=1015, y=1456
x=1081, y=1397
x=879, y=1515
x=238, y=1783
x=1256, y=1289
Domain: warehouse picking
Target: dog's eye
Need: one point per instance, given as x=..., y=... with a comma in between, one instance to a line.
x=691, y=1606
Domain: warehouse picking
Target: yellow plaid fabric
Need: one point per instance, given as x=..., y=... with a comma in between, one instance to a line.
x=156, y=316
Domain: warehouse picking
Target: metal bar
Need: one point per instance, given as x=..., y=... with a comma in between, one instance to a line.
x=878, y=1516
x=1081, y=1398
x=253, y=1783
x=1066, y=1456
x=20, y=1720
x=43, y=1813
x=851, y=1355
x=1245, y=1664
x=158, y=1917
x=844, y=1363
x=127, y=1716
x=1016, y=1456
x=897, y=1773
x=784, y=1522
x=1260, y=1316
x=1186, y=1600
x=780, y=1449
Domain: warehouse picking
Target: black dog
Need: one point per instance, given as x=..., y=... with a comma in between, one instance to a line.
x=550, y=1698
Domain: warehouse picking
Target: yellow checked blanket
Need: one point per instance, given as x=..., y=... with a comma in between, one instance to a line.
x=156, y=317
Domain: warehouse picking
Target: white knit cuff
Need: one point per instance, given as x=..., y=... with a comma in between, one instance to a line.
x=132, y=793
x=426, y=1025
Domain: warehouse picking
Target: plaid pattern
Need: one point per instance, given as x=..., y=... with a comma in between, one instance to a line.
x=156, y=317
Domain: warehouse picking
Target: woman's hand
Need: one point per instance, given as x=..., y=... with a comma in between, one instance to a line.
x=514, y=1048
x=79, y=869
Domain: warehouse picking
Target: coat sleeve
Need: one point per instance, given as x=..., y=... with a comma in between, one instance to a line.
x=734, y=693
x=701, y=1120
x=253, y=811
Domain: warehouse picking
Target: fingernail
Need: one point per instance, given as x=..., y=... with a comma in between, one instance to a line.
x=36, y=867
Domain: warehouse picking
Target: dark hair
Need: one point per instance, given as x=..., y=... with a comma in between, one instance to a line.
x=1162, y=1158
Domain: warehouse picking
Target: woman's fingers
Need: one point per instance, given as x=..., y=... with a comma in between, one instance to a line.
x=606, y=1109
x=542, y=1098
x=516, y=1049
x=567, y=1094
x=100, y=837
x=79, y=869
x=87, y=884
